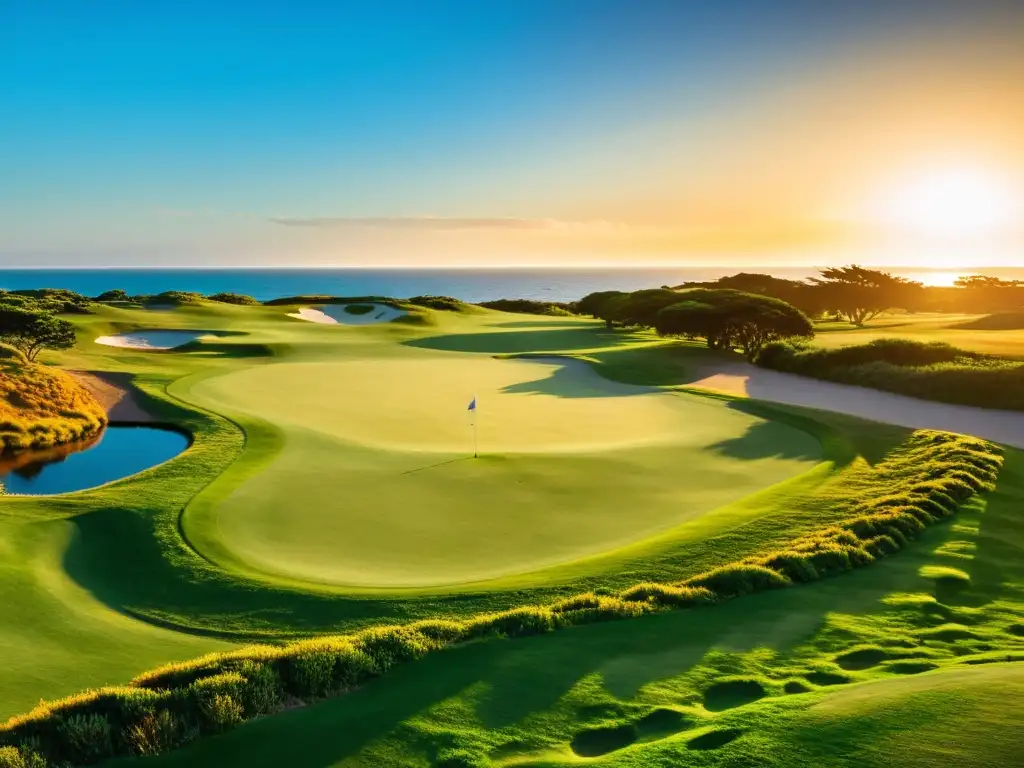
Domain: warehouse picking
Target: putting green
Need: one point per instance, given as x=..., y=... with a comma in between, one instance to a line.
x=376, y=487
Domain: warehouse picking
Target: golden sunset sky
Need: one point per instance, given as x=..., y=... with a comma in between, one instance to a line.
x=597, y=133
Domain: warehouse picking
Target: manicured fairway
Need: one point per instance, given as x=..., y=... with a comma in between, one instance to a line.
x=52, y=631
x=958, y=330
x=376, y=485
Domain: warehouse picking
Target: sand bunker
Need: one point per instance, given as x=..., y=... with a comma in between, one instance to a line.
x=152, y=340
x=343, y=314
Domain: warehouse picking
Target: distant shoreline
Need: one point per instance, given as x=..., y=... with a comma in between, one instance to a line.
x=467, y=284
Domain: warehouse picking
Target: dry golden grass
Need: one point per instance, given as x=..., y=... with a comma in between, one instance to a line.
x=42, y=407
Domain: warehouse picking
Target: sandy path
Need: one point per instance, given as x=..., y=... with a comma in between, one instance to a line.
x=114, y=392
x=787, y=388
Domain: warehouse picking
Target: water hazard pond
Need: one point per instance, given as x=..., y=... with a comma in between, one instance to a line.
x=118, y=452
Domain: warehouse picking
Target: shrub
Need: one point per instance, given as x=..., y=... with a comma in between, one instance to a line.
x=263, y=690
x=932, y=371
x=309, y=674
x=23, y=757
x=738, y=579
x=517, y=622
x=531, y=307
x=87, y=737
x=156, y=733
x=668, y=595
x=443, y=303
x=171, y=298
x=388, y=646
x=233, y=298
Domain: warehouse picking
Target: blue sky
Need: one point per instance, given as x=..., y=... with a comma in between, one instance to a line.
x=403, y=132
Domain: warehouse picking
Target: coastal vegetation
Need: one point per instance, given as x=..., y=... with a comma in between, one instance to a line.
x=41, y=407
x=316, y=581
x=928, y=370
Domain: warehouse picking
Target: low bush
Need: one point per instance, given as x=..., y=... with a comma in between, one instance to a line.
x=922, y=482
x=532, y=307
x=234, y=298
x=21, y=757
x=930, y=371
x=443, y=303
x=170, y=299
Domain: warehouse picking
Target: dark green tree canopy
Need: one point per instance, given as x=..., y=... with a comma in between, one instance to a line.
x=727, y=319
x=861, y=294
x=32, y=331
x=596, y=304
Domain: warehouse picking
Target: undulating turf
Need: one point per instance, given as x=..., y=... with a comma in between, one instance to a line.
x=290, y=516
x=965, y=331
x=879, y=667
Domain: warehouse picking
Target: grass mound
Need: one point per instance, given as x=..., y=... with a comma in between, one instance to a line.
x=42, y=407
x=927, y=370
x=180, y=702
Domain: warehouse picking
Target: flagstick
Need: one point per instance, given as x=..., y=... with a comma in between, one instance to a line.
x=475, y=456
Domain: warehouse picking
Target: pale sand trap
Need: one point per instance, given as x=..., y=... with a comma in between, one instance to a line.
x=742, y=379
x=524, y=406
x=152, y=339
x=335, y=314
x=115, y=393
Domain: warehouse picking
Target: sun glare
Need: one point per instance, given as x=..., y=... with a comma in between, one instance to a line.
x=951, y=203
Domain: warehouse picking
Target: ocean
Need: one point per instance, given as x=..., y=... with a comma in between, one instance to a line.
x=472, y=285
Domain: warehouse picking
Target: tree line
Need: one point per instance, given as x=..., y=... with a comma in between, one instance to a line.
x=858, y=294
x=724, y=318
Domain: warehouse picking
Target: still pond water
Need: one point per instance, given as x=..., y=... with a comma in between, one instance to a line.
x=117, y=453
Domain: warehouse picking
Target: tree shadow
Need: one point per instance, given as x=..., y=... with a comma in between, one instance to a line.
x=542, y=322
x=506, y=681
x=571, y=381
x=770, y=440
x=507, y=342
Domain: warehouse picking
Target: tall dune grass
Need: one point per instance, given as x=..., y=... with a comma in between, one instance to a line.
x=42, y=407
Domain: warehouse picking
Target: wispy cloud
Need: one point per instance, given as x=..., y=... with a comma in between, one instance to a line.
x=435, y=223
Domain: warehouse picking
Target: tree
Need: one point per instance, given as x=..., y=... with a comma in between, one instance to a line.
x=32, y=331
x=799, y=293
x=639, y=308
x=594, y=304
x=861, y=294
x=728, y=319
x=115, y=295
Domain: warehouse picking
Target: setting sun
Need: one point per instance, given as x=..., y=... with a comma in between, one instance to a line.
x=951, y=202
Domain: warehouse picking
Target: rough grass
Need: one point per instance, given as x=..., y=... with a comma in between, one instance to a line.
x=938, y=472
x=41, y=407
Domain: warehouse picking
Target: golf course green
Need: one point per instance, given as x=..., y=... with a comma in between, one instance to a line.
x=382, y=489
x=331, y=488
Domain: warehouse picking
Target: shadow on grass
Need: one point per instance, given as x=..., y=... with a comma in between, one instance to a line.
x=544, y=340
x=566, y=381
x=767, y=440
x=552, y=322
x=529, y=675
